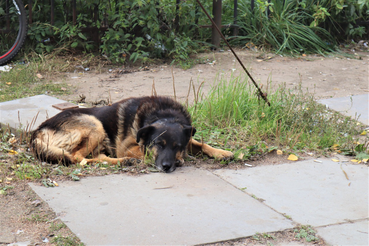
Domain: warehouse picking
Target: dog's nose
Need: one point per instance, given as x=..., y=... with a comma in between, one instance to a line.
x=166, y=166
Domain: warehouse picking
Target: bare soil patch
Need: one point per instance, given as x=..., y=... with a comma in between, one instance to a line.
x=326, y=77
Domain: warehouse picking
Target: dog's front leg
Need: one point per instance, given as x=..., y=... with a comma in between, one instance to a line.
x=195, y=148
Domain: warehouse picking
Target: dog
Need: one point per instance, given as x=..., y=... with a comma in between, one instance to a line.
x=130, y=128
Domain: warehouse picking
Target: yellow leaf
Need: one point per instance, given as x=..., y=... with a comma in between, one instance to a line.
x=335, y=160
x=334, y=146
x=8, y=83
x=363, y=133
x=13, y=152
x=353, y=160
x=279, y=152
x=365, y=160
x=292, y=157
x=10, y=179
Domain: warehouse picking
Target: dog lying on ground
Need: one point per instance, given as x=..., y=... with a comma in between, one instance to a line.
x=126, y=129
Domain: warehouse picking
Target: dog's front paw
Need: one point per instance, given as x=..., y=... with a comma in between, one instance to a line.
x=223, y=154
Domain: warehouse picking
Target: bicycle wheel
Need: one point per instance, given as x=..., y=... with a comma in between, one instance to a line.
x=13, y=28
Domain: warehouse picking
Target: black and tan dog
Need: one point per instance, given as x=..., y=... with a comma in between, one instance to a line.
x=124, y=130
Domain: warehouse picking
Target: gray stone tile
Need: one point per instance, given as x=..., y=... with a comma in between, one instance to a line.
x=311, y=193
x=353, y=106
x=28, y=112
x=189, y=206
x=355, y=233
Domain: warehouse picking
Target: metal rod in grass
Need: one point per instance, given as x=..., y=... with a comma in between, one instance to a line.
x=263, y=95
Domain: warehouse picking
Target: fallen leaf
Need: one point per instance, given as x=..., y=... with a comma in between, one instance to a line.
x=335, y=160
x=363, y=133
x=39, y=76
x=345, y=173
x=102, y=168
x=63, y=89
x=334, y=146
x=292, y=157
x=8, y=83
x=240, y=156
x=10, y=179
x=365, y=160
x=303, y=54
x=279, y=152
x=353, y=160
x=12, y=152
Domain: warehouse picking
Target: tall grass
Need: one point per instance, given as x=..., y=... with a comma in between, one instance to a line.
x=286, y=29
x=234, y=117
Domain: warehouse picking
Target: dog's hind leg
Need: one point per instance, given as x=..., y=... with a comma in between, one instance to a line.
x=194, y=147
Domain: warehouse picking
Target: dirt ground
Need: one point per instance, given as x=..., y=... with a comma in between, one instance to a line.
x=25, y=217
x=326, y=77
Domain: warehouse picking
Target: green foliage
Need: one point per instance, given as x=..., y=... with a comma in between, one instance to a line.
x=286, y=29
x=233, y=114
x=307, y=233
x=130, y=31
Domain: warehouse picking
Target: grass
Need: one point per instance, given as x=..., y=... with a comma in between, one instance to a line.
x=22, y=81
x=232, y=116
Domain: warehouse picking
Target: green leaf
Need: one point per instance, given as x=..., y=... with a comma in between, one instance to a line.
x=74, y=44
x=82, y=36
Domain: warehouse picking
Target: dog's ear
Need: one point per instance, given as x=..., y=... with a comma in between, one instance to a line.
x=144, y=132
x=189, y=130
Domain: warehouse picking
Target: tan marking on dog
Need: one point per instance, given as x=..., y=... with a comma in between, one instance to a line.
x=196, y=147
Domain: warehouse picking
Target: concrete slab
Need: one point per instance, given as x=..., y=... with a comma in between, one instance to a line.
x=353, y=106
x=189, y=206
x=355, y=233
x=311, y=193
x=21, y=113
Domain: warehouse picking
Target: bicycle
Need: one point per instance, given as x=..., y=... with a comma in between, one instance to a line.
x=13, y=28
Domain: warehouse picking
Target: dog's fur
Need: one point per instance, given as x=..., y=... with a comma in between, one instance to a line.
x=124, y=130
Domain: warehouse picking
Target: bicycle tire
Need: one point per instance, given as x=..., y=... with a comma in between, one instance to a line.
x=10, y=48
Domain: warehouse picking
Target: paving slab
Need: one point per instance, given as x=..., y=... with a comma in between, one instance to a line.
x=189, y=206
x=353, y=106
x=353, y=233
x=312, y=193
x=28, y=113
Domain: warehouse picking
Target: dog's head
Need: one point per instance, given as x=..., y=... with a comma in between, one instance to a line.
x=167, y=141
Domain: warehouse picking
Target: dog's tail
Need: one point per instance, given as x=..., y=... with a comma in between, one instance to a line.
x=47, y=152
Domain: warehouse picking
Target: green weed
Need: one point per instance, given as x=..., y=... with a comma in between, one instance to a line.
x=306, y=232
x=233, y=117
x=60, y=240
x=56, y=226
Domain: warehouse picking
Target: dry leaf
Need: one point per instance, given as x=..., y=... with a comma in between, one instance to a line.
x=8, y=83
x=353, y=160
x=39, y=76
x=292, y=157
x=335, y=160
x=279, y=152
x=240, y=156
x=365, y=160
x=363, y=133
x=9, y=179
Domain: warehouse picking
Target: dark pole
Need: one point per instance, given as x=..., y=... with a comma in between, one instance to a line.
x=217, y=13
